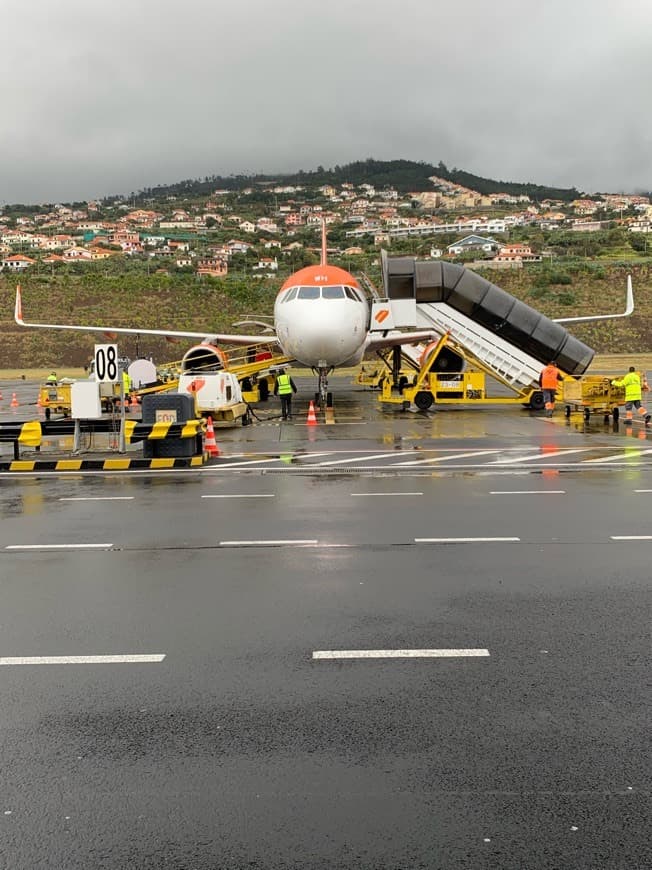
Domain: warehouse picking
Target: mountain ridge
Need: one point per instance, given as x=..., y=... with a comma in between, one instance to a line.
x=403, y=175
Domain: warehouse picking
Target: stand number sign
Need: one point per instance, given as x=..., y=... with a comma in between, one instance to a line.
x=106, y=363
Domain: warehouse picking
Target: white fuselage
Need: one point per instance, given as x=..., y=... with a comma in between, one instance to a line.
x=322, y=327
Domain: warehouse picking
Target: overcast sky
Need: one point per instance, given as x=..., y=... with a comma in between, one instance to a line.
x=101, y=98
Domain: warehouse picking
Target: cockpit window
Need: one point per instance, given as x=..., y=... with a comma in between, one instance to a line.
x=308, y=293
x=332, y=292
x=290, y=294
x=351, y=294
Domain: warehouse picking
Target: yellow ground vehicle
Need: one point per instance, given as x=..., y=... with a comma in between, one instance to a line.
x=465, y=387
x=594, y=394
x=56, y=398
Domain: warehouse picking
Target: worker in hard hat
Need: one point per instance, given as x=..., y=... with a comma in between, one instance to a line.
x=52, y=379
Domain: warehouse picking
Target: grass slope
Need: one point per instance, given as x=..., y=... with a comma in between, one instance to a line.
x=181, y=303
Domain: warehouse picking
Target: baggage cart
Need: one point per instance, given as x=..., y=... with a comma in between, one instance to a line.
x=592, y=394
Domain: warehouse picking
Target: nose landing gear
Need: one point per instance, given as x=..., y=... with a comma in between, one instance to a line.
x=323, y=398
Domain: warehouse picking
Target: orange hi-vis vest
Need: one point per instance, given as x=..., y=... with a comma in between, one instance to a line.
x=549, y=378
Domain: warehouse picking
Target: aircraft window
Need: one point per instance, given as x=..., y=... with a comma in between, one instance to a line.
x=351, y=294
x=332, y=293
x=308, y=293
x=290, y=294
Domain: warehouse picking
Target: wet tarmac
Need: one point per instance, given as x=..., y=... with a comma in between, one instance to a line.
x=488, y=569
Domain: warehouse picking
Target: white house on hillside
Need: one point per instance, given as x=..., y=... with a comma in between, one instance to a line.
x=473, y=243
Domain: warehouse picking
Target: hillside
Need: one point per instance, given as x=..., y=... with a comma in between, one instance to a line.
x=157, y=302
x=403, y=175
x=180, y=303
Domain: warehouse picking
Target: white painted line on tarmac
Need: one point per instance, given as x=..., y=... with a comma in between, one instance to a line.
x=228, y=464
x=399, y=653
x=472, y=453
x=98, y=498
x=271, y=543
x=631, y=537
x=464, y=540
x=357, y=458
x=252, y=461
x=361, y=494
x=81, y=660
x=243, y=495
x=630, y=454
x=540, y=455
x=527, y=492
x=59, y=547
x=643, y=490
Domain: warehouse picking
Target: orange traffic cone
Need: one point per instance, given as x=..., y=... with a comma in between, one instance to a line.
x=312, y=419
x=210, y=443
x=14, y=401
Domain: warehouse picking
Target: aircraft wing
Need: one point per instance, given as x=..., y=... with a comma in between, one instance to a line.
x=391, y=339
x=629, y=309
x=111, y=331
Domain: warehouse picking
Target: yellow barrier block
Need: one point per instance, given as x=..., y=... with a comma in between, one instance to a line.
x=162, y=463
x=130, y=425
x=22, y=465
x=191, y=428
x=159, y=430
x=31, y=434
x=116, y=464
x=69, y=464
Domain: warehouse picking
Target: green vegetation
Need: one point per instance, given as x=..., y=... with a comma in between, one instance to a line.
x=183, y=302
x=403, y=175
x=488, y=185
x=131, y=299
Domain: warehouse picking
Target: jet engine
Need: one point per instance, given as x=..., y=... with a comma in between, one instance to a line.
x=204, y=358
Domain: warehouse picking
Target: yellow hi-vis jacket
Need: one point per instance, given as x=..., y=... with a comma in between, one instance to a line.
x=284, y=385
x=126, y=382
x=632, y=384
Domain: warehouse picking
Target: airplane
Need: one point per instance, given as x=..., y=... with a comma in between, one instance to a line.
x=322, y=319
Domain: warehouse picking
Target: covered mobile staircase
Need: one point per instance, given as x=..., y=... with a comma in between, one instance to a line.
x=511, y=340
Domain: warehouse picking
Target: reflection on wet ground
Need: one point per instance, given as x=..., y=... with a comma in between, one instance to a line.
x=358, y=418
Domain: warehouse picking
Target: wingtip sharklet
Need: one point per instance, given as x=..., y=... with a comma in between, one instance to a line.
x=18, y=310
x=629, y=307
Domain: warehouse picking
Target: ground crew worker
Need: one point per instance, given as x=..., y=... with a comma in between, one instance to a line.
x=284, y=386
x=633, y=393
x=126, y=387
x=52, y=378
x=548, y=380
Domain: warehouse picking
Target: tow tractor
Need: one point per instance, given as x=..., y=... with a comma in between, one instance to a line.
x=467, y=387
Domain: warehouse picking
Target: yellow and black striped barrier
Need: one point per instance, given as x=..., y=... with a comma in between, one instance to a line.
x=135, y=431
x=113, y=464
x=32, y=433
